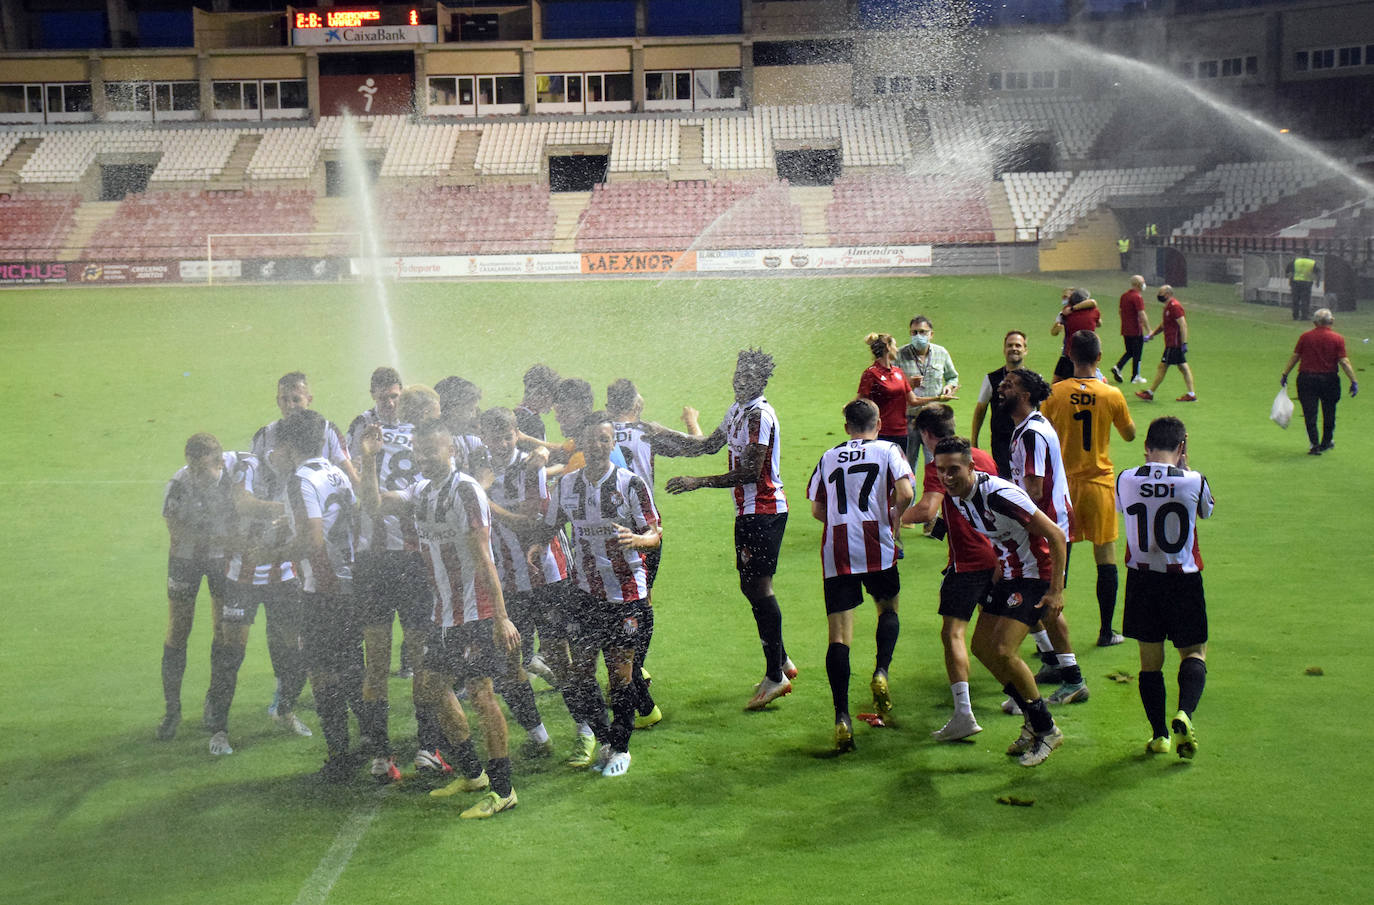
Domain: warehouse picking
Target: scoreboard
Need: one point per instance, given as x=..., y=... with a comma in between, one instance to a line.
x=356, y=18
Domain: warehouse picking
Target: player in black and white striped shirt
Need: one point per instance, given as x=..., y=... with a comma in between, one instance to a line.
x=1162, y=501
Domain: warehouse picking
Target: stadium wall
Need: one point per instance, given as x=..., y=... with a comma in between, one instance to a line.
x=822, y=83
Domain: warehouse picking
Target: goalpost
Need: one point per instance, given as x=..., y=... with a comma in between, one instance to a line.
x=307, y=241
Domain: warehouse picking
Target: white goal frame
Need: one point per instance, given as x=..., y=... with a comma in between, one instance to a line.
x=211, y=237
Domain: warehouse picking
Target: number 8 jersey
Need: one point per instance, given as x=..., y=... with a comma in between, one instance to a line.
x=855, y=480
x=1162, y=504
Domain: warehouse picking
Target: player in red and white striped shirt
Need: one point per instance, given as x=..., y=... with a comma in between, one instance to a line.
x=1031, y=549
x=968, y=576
x=473, y=638
x=613, y=522
x=1037, y=466
x=859, y=491
x=750, y=428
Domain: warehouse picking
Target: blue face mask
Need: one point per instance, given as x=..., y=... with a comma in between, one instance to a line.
x=920, y=341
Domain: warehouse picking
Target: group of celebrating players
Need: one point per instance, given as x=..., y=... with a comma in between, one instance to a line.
x=481, y=536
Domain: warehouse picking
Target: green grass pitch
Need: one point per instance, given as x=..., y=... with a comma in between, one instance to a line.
x=101, y=388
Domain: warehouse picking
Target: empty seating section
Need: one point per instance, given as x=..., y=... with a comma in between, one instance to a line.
x=1032, y=196
x=175, y=224
x=180, y=154
x=1244, y=188
x=905, y=210
x=675, y=216
x=490, y=219
x=962, y=132
x=867, y=136
x=1090, y=189
x=421, y=149
x=36, y=226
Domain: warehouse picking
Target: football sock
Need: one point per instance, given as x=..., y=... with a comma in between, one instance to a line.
x=225, y=660
x=1038, y=712
x=586, y=704
x=962, y=703
x=519, y=697
x=1069, y=672
x=465, y=758
x=372, y=725
x=1015, y=695
x=1192, y=677
x=427, y=732
x=1152, y=698
x=837, y=670
x=1106, y=595
x=768, y=618
x=173, y=668
x=1044, y=645
x=644, y=701
x=889, y=626
x=623, y=709
x=538, y=734
x=498, y=771
x=331, y=705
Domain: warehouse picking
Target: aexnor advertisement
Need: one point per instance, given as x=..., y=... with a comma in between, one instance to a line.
x=366, y=95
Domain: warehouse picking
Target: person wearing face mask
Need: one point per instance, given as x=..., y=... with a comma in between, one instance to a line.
x=930, y=370
x=1174, y=326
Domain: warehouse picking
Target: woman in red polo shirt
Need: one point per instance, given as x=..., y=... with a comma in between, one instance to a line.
x=888, y=387
x=1321, y=351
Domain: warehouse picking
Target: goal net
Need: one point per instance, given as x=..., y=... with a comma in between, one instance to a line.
x=268, y=257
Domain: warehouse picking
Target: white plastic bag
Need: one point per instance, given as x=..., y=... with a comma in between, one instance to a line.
x=1282, y=411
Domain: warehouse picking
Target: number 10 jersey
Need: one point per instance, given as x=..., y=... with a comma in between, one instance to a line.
x=1162, y=504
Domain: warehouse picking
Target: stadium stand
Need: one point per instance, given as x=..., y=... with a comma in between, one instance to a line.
x=677, y=215
x=491, y=219
x=36, y=226
x=1091, y=188
x=1032, y=196
x=1244, y=188
x=903, y=210
x=961, y=132
x=174, y=224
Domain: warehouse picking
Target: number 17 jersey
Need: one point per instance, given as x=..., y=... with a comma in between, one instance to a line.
x=855, y=481
x=1162, y=504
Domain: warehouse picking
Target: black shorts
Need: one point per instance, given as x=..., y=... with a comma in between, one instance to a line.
x=184, y=575
x=651, y=560
x=1063, y=368
x=1174, y=355
x=621, y=624
x=393, y=581
x=466, y=652
x=962, y=592
x=845, y=592
x=330, y=633
x=758, y=538
x=1165, y=605
x=1017, y=598
x=242, y=600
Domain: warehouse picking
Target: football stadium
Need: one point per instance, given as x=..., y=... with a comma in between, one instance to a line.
x=220, y=218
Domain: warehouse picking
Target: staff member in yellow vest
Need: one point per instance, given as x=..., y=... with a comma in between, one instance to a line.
x=1302, y=272
x=1123, y=248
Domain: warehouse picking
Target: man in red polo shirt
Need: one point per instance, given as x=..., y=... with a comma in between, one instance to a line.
x=1175, y=330
x=1134, y=326
x=1079, y=312
x=1322, y=351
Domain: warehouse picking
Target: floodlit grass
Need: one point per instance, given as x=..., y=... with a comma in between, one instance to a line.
x=103, y=386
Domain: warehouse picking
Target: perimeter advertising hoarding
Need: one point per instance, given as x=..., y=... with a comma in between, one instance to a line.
x=639, y=262
x=25, y=272
x=142, y=272
x=852, y=258
x=422, y=267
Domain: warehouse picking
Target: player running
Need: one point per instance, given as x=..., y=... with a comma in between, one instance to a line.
x=1162, y=501
x=859, y=491
x=1083, y=410
x=1032, y=550
x=750, y=428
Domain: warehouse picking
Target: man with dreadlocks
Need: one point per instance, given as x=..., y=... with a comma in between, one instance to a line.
x=750, y=428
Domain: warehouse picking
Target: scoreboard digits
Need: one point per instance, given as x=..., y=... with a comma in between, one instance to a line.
x=356, y=18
